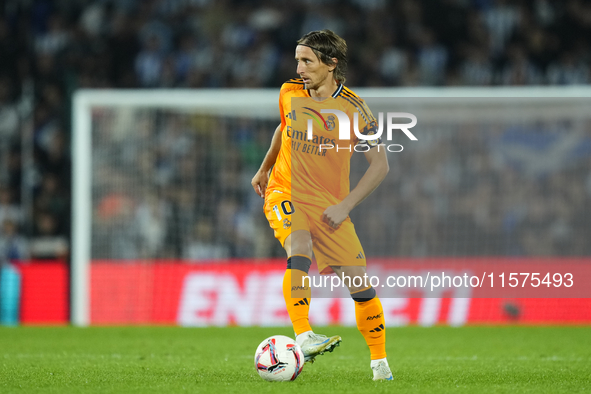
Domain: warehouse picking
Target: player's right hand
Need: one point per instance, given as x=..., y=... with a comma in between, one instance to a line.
x=259, y=182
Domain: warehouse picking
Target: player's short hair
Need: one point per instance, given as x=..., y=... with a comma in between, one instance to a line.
x=326, y=44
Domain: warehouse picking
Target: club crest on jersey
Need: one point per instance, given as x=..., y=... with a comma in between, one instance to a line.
x=330, y=123
x=286, y=223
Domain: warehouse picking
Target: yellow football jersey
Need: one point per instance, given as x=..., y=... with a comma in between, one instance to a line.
x=317, y=170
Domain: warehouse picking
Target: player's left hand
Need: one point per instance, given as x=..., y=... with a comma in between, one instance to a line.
x=335, y=215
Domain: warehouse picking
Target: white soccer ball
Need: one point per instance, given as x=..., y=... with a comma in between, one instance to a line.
x=279, y=359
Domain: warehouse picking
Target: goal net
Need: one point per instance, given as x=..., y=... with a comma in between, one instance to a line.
x=167, y=228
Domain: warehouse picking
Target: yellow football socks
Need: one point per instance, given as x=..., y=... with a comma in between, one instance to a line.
x=370, y=322
x=297, y=294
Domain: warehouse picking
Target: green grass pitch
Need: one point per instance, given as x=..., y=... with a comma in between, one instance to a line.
x=220, y=360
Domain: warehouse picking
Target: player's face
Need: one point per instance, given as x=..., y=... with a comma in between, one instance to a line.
x=311, y=69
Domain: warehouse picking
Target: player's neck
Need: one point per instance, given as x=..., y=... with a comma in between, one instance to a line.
x=324, y=90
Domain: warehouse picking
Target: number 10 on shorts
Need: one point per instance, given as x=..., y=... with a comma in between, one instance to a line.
x=286, y=207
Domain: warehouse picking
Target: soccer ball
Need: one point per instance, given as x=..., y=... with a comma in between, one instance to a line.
x=278, y=359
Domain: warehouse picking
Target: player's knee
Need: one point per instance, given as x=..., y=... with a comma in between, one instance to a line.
x=364, y=295
x=299, y=243
x=301, y=263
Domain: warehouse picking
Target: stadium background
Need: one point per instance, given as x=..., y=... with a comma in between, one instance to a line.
x=195, y=211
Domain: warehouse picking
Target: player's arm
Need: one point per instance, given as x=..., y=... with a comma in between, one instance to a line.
x=261, y=178
x=374, y=175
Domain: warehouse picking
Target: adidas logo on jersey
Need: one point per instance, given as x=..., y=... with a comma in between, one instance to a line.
x=360, y=256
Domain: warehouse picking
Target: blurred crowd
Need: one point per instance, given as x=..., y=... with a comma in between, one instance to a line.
x=166, y=187
x=48, y=49
x=484, y=189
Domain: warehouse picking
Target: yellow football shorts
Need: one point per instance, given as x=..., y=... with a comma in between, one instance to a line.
x=332, y=247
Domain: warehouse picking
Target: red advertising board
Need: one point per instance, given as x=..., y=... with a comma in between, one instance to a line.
x=249, y=292
x=44, y=292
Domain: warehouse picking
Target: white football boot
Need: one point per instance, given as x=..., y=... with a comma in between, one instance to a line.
x=315, y=344
x=381, y=371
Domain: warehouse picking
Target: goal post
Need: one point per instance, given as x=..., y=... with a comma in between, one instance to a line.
x=259, y=102
x=81, y=209
x=117, y=114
